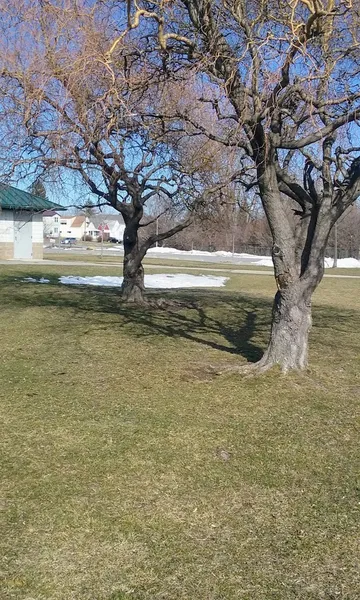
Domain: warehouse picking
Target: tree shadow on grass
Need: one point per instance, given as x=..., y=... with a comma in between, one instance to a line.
x=234, y=323
x=229, y=322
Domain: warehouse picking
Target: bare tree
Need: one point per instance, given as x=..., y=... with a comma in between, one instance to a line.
x=285, y=87
x=78, y=101
x=38, y=189
x=348, y=234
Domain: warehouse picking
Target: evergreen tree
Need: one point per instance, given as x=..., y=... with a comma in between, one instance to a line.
x=38, y=189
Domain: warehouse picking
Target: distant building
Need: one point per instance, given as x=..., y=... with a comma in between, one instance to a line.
x=21, y=223
x=51, y=220
x=78, y=226
x=112, y=225
x=60, y=226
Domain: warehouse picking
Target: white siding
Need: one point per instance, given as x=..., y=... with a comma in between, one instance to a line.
x=37, y=229
x=66, y=230
x=116, y=229
x=52, y=225
x=6, y=226
x=23, y=235
x=75, y=232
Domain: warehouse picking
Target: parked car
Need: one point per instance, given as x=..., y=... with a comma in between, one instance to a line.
x=69, y=241
x=114, y=240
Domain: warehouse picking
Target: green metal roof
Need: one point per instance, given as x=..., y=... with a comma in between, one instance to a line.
x=13, y=199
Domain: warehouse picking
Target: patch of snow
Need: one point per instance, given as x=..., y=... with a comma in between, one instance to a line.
x=265, y=261
x=343, y=263
x=260, y=261
x=165, y=250
x=168, y=250
x=161, y=281
x=32, y=280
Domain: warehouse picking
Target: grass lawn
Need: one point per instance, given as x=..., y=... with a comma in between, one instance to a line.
x=151, y=260
x=131, y=472
x=178, y=263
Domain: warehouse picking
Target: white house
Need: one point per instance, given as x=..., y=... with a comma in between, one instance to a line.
x=21, y=223
x=75, y=226
x=51, y=220
x=112, y=225
x=78, y=226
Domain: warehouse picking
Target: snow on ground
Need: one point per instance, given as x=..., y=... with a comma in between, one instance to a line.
x=343, y=263
x=165, y=250
x=176, y=280
x=259, y=261
x=265, y=261
x=32, y=280
x=242, y=258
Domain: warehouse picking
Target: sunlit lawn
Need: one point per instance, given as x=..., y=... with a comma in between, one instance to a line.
x=132, y=472
x=116, y=259
x=178, y=263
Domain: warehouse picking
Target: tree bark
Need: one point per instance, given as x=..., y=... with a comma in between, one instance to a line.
x=133, y=288
x=298, y=257
x=291, y=324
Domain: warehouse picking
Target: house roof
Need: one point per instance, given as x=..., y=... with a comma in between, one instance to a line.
x=50, y=213
x=13, y=199
x=78, y=221
x=101, y=219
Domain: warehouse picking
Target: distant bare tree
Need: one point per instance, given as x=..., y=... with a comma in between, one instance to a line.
x=38, y=189
x=348, y=233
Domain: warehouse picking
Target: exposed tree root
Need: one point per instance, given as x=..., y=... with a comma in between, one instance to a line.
x=247, y=370
x=166, y=304
x=172, y=304
x=135, y=300
x=253, y=369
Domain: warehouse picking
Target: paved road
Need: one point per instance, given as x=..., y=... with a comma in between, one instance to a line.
x=81, y=263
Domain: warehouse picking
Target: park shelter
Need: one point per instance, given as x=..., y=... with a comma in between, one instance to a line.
x=21, y=223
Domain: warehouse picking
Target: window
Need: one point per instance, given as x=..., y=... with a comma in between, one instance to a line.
x=63, y=223
x=56, y=219
x=56, y=229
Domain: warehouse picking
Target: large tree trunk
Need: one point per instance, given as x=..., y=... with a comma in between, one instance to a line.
x=298, y=257
x=133, y=287
x=291, y=324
